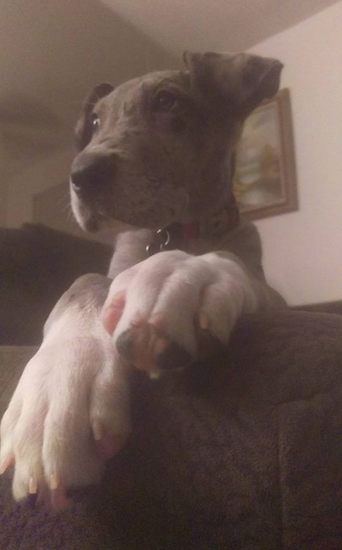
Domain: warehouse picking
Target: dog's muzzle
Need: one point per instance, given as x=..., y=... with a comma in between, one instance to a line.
x=91, y=174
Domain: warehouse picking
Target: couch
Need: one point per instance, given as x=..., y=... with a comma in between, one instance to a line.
x=243, y=452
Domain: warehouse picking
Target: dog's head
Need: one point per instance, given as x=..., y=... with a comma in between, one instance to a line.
x=158, y=149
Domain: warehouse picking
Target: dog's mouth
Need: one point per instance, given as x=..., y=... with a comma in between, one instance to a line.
x=97, y=216
x=105, y=209
x=89, y=217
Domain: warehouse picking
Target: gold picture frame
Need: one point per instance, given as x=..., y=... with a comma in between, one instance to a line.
x=265, y=175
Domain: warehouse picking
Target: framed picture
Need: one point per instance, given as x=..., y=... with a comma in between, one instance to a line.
x=265, y=175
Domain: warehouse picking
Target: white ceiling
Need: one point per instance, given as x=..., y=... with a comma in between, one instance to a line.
x=226, y=25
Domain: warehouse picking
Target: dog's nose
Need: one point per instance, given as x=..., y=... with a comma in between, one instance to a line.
x=90, y=171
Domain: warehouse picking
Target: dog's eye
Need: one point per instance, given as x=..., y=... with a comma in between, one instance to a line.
x=165, y=101
x=94, y=122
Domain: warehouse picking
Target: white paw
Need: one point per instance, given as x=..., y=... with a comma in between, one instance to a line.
x=162, y=309
x=68, y=414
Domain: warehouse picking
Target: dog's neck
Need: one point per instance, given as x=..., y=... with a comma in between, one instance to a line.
x=186, y=236
x=195, y=237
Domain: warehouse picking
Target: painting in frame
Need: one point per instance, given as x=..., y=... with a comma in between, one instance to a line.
x=265, y=175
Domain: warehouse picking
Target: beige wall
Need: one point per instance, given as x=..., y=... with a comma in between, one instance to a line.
x=303, y=250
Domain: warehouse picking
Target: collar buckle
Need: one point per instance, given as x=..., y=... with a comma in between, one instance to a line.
x=160, y=242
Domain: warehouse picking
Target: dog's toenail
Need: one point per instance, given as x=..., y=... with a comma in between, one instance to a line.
x=5, y=463
x=203, y=321
x=125, y=346
x=53, y=482
x=33, y=486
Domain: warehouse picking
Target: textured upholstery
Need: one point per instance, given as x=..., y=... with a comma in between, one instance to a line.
x=244, y=452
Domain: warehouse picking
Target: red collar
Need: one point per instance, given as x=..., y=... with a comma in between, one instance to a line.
x=177, y=235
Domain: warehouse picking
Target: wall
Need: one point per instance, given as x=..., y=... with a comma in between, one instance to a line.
x=303, y=250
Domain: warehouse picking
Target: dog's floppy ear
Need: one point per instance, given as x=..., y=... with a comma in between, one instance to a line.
x=84, y=129
x=242, y=81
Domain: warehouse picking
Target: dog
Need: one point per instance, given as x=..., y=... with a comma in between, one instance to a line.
x=156, y=153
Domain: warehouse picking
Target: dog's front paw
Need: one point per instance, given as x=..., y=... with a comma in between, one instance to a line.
x=171, y=308
x=69, y=413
